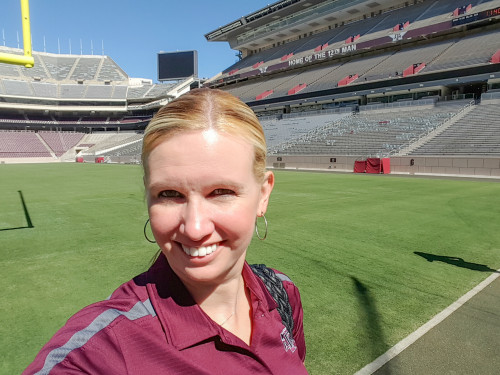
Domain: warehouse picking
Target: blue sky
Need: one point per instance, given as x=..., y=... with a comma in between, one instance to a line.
x=132, y=31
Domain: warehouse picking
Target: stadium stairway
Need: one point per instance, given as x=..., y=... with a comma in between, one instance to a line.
x=445, y=125
x=46, y=146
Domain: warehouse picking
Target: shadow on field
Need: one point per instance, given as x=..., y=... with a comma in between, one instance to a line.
x=455, y=261
x=369, y=322
x=26, y=215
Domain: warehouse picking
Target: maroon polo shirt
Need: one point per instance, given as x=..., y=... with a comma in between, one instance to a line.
x=151, y=325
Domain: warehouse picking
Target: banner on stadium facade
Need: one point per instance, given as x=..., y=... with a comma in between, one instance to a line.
x=321, y=55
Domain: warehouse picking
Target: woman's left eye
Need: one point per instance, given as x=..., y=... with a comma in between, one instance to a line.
x=223, y=192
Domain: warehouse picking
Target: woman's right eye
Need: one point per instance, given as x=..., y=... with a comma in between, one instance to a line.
x=170, y=194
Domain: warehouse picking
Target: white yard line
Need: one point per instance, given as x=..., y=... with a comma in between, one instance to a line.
x=407, y=341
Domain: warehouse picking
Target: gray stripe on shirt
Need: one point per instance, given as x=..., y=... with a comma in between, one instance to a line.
x=80, y=338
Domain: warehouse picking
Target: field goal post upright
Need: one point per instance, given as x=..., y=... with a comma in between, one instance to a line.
x=27, y=59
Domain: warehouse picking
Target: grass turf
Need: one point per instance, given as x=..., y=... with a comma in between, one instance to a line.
x=348, y=241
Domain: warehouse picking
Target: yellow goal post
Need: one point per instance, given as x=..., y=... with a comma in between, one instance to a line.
x=27, y=59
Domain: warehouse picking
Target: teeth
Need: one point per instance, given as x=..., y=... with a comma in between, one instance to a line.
x=199, y=251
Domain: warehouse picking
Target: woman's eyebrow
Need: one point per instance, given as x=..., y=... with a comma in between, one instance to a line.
x=166, y=185
x=229, y=184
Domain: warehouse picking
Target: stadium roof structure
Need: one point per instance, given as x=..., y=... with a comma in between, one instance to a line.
x=290, y=18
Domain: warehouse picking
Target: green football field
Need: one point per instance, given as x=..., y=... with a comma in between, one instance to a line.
x=374, y=256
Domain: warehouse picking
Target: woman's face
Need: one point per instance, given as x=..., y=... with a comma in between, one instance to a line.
x=203, y=199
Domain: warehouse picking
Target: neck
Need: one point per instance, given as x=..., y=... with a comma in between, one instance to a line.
x=228, y=304
x=220, y=302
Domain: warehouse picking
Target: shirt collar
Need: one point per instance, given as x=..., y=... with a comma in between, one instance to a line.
x=183, y=321
x=258, y=289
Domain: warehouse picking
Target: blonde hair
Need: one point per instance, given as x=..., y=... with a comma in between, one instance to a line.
x=202, y=109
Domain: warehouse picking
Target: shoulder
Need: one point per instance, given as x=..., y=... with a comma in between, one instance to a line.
x=290, y=287
x=283, y=277
x=262, y=269
x=269, y=274
x=88, y=341
x=289, y=304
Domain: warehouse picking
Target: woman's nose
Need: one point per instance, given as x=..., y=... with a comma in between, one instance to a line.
x=197, y=221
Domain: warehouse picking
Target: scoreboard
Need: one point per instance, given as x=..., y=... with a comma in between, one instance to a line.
x=177, y=65
x=467, y=18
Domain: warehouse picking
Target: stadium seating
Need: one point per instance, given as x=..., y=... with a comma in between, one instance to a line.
x=130, y=149
x=419, y=15
x=60, y=142
x=279, y=131
x=59, y=67
x=402, y=59
x=85, y=69
x=70, y=91
x=19, y=88
x=439, y=56
x=15, y=144
x=98, y=92
x=38, y=71
x=42, y=144
x=376, y=133
x=114, y=142
x=110, y=71
x=470, y=50
x=368, y=128
x=478, y=133
x=119, y=92
x=44, y=90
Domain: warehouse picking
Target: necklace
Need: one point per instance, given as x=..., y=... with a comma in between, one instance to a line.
x=229, y=317
x=234, y=312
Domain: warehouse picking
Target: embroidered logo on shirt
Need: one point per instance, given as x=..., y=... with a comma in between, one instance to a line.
x=288, y=341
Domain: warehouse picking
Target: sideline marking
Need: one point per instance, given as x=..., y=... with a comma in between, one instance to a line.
x=410, y=339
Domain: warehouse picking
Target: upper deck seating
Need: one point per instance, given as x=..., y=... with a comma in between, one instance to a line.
x=44, y=90
x=99, y=92
x=158, y=90
x=110, y=71
x=38, y=71
x=72, y=91
x=470, y=50
x=17, y=88
x=119, y=92
x=59, y=67
x=137, y=92
x=85, y=68
x=380, y=25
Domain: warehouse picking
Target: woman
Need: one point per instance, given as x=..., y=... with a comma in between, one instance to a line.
x=200, y=309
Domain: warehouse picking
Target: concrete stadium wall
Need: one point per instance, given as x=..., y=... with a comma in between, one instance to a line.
x=28, y=160
x=462, y=166
x=113, y=159
x=453, y=166
x=342, y=163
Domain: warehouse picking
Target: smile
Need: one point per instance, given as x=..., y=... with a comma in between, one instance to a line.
x=199, y=251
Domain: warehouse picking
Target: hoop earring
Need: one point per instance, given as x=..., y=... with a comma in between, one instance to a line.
x=145, y=234
x=257, y=228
